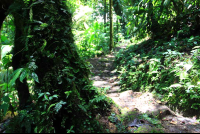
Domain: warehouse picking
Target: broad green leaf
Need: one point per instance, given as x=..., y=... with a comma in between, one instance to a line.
x=59, y=106
x=83, y=108
x=68, y=93
x=4, y=107
x=191, y=39
x=187, y=67
x=183, y=75
x=54, y=96
x=23, y=75
x=16, y=74
x=46, y=97
x=3, y=38
x=47, y=93
x=35, y=77
x=6, y=99
x=195, y=80
x=2, y=84
x=50, y=107
x=40, y=95
x=44, y=25
x=167, y=2
x=196, y=47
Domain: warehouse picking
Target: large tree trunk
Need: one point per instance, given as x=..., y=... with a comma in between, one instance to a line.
x=20, y=60
x=60, y=68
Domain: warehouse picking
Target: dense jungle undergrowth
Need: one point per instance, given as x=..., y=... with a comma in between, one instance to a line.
x=169, y=68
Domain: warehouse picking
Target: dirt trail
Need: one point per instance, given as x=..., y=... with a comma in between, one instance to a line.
x=105, y=76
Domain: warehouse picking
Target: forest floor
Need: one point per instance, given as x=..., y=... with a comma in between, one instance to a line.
x=135, y=112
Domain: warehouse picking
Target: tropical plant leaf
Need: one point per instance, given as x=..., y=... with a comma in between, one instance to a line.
x=59, y=106
x=35, y=77
x=50, y=107
x=16, y=74
x=54, y=96
x=82, y=108
x=4, y=107
x=46, y=97
x=6, y=99
x=23, y=75
x=166, y=3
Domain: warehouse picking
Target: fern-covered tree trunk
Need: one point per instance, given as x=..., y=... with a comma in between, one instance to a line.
x=60, y=69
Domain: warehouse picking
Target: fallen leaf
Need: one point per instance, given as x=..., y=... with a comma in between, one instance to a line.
x=173, y=122
x=159, y=102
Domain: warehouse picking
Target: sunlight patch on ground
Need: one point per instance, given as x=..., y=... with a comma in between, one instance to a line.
x=129, y=100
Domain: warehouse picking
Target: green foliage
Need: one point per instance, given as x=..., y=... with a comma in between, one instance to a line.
x=89, y=33
x=6, y=61
x=161, y=19
x=7, y=31
x=173, y=74
x=93, y=42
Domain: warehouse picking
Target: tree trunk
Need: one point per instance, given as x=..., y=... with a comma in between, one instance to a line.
x=154, y=25
x=18, y=57
x=119, y=12
x=19, y=60
x=111, y=26
x=60, y=68
x=117, y=29
x=104, y=16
